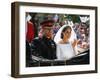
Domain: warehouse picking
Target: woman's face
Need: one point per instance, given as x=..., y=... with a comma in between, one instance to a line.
x=67, y=33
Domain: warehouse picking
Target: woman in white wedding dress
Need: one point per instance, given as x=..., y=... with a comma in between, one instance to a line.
x=65, y=48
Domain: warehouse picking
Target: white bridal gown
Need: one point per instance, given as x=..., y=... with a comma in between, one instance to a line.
x=65, y=51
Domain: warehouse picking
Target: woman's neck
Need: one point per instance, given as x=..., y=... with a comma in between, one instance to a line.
x=64, y=41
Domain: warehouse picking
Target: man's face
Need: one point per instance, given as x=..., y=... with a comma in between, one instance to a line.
x=48, y=32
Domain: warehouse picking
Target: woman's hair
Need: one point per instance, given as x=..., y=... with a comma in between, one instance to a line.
x=64, y=29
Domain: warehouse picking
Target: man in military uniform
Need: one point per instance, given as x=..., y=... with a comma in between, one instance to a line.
x=45, y=47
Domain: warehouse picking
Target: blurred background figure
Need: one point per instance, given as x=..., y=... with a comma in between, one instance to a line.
x=30, y=31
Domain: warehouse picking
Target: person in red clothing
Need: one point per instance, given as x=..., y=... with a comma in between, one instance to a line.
x=30, y=31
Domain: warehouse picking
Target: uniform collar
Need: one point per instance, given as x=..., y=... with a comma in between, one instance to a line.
x=45, y=38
